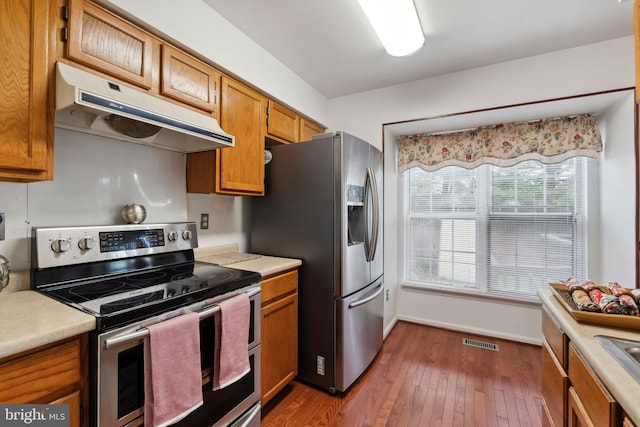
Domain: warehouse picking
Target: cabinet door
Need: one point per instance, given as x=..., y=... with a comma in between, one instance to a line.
x=555, y=382
x=600, y=406
x=308, y=129
x=578, y=416
x=27, y=53
x=73, y=400
x=279, y=343
x=282, y=123
x=240, y=169
x=188, y=80
x=104, y=42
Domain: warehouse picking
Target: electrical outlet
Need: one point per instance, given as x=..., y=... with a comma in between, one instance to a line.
x=1, y=226
x=204, y=221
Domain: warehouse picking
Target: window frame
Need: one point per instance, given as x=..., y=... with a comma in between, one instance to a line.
x=482, y=217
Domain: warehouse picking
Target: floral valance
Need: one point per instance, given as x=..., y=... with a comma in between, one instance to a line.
x=548, y=141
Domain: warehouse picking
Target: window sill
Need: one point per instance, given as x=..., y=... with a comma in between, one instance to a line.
x=459, y=293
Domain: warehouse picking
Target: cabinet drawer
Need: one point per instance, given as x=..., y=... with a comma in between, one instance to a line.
x=557, y=339
x=279, y=285
x=34, y=377
x=602, y=409
x=555, y=382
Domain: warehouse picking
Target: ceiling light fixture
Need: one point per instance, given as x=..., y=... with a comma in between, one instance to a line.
x=396, y=23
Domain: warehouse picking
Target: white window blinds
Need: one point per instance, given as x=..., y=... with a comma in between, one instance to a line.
x=500, y=231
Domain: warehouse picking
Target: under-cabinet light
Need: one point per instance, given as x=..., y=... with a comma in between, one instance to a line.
x=396, y=24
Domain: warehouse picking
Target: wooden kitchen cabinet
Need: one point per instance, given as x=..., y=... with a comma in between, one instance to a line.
x=237, y=170
x=279, y=333
x=56, y=373
x=308, y=129
x=555, y=380
x=282, y=123
x=593, y=404
x=104, y=42
x=188, y=80
x=636, y=27
x=27, y=53
x=572, y=393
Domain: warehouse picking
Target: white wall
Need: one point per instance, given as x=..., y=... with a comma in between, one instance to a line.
x=587, y=69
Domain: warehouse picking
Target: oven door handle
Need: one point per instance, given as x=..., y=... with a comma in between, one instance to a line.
x=143, y=332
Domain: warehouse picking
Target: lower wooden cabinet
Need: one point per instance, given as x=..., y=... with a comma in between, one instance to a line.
x=49, y=375
x=573, y=395
x=279, y=333
x=555, y=382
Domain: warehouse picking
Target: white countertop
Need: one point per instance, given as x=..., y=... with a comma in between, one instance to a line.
x=29, y=320
x=620, y=384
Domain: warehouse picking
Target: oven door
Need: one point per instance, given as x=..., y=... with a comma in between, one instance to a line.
x=118, y=390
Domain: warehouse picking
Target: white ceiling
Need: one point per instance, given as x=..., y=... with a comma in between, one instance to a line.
x=330, y=44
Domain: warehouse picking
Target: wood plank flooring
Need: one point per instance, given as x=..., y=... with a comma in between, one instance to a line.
x=424, y=376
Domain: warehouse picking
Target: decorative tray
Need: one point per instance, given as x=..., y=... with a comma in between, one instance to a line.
x=602, y=319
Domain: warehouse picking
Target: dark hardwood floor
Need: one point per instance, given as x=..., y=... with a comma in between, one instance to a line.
x=425, y=376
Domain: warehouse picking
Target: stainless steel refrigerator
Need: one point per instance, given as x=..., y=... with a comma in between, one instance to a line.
x=323, y=205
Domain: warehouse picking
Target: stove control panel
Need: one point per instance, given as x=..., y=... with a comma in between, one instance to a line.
x=59, y=246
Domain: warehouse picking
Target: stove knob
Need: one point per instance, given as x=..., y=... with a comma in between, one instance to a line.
x=173, y=235
x=185, y=289
x=60, y=245
x=86, y=243
x=186, y=234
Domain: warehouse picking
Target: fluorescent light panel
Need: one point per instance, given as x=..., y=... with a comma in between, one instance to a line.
x=396, y=23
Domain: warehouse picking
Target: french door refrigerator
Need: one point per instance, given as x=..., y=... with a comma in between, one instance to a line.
x=323, y=205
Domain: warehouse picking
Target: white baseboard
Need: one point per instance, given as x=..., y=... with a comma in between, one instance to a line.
x=389, y=327
x=465, y=328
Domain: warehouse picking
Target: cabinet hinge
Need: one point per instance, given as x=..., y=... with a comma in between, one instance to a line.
x=65, y=13
x=65, y=34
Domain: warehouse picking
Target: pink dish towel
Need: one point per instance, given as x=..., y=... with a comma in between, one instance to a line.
x=231, y=345
x=172, y=372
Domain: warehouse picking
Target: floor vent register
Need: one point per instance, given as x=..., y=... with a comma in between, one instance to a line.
x=480, y=344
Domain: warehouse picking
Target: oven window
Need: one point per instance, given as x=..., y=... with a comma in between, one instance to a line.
x=218, y=403
x=130, y=380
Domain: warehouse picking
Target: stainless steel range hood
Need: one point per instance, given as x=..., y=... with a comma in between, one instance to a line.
x=88, y=103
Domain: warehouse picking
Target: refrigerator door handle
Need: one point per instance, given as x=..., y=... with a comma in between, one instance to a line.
x=367, y=299
x=372, y=240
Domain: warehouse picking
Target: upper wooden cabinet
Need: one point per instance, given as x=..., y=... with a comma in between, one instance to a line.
x=240, y=169
x=188, y=80
x=308, y=129
x=107, y=43
x=27, y=54
x=282, y=123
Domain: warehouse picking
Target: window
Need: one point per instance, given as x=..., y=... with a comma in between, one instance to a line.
x=493, y=230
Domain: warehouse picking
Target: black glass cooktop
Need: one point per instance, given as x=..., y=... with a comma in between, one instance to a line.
x=125, y=298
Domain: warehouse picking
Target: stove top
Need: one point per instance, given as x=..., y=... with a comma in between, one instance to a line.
x=134, y=273
x=115, y=301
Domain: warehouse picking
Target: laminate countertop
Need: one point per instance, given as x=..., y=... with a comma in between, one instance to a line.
x=263, y=264
x=29, y=320
x=620, y=384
